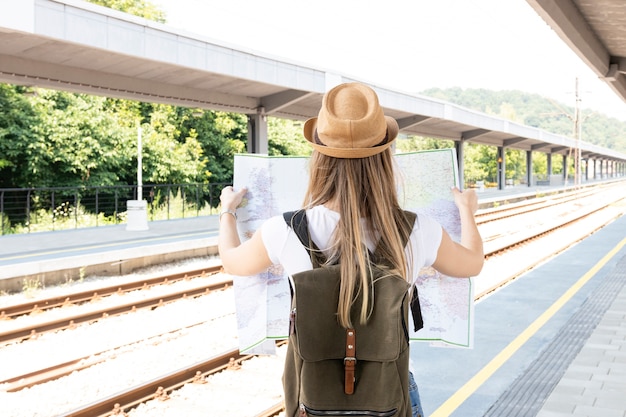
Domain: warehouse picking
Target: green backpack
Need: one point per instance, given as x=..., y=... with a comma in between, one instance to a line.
x=333, y=371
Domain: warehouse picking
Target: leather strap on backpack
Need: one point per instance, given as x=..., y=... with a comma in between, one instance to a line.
x=349, y=362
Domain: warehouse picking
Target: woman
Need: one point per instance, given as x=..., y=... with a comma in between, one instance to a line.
x=351, y=203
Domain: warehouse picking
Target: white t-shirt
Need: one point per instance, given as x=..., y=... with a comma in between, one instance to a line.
x=284, y=248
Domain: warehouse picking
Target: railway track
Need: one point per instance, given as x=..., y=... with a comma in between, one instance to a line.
x=600, y=209
x=194, y=374
x=37, y=306
x=492, y=214
x=68, y=322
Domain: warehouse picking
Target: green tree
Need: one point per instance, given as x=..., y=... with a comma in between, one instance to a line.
x=220, y=134
x=537, y=111
x=412, y=143
x=540, y=165
x=479, y=163
x=78, y=142
x=141, y=8
x=515, y=164
x=169, y=157
x=18, y=141
x=285, y=137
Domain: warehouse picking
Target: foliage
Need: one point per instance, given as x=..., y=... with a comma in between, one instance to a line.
x=166, y=203
x=17, y=139
x=220, y=136
x=167, y=156
x=413, y=143
x=76, y=142
x=541, y=112
x=480, y=163
x=55, y=138
x=285, y=137
x=174, y=206
x=141, y=8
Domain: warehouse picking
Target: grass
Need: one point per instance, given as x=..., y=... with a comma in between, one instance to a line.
x=67, y=216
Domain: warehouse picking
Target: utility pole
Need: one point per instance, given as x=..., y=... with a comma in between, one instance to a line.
x=577, y=136
x=577, y=119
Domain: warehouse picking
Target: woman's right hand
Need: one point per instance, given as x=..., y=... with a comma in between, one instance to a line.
x=467, y=258
x=465, y=199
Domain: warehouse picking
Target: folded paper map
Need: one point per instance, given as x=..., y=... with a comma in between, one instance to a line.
x=277, y=184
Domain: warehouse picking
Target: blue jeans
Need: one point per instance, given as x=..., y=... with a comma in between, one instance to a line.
x=416, y=404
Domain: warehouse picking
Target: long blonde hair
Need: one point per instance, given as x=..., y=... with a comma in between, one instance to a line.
x=360, y=188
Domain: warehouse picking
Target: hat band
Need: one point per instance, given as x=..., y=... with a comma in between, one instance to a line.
x=318, y=141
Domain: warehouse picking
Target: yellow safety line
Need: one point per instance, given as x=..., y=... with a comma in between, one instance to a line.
x=477, y=380
x=104, y=245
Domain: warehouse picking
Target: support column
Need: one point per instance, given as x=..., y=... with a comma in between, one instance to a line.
x=602, y=169
x=564, y=169
x=549, y=162
x=257, y=132
x=501, y=161
x=612, y=169
x=529, y=168
x=549, y=166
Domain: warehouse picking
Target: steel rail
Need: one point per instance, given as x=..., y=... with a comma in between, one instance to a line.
x=160, y=386
x=33, y=330
x=86, y=296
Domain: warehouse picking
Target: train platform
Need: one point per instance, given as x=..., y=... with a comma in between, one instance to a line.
x=61, y=256
x=65, y=255
x=551, y=344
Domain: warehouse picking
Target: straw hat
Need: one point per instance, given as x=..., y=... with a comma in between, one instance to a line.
x=351, y=123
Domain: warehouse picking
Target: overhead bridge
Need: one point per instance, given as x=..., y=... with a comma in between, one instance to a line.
x=81, y=47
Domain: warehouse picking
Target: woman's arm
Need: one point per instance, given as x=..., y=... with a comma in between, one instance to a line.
x=238, y=258
x=466, y=258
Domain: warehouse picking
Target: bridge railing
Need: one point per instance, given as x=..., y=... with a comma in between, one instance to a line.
x=27, y=210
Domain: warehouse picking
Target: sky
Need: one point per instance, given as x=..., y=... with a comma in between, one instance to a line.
x=407, y=45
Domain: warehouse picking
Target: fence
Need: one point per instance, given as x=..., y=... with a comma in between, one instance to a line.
x=26, y=210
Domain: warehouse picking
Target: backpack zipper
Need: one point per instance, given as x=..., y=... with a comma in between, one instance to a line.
x=305, y=411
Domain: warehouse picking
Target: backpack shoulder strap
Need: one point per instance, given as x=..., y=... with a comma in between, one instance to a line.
x=411, y=218
x=298, y=222
x=416, y=310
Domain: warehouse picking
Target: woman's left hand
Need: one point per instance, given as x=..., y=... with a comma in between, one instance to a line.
x=230, y=198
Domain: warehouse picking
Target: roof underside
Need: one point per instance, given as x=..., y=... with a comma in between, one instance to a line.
x=595, y=30
x=80, y=47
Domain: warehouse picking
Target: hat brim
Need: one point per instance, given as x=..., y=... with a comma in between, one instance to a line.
x=350, y=153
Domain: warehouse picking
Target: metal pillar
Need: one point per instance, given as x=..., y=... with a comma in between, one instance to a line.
x=257, y=132
x=501, y=161
x=549, y=162
x=529, y=168
x=602, y=169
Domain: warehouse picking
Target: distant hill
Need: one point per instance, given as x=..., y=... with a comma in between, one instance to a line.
x=538, y=111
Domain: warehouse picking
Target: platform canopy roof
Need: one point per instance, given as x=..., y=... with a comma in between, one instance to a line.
x=81, y=47
x=595, y=30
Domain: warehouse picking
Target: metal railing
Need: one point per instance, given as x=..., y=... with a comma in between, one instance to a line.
x=26, y=210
